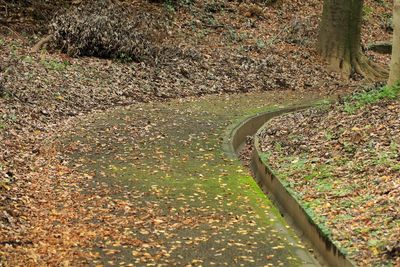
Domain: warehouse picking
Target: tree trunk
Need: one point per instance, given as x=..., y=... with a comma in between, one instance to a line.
x=394, y=76
x=340, y=39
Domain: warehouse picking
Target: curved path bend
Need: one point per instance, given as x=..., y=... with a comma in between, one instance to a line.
x=173, y=198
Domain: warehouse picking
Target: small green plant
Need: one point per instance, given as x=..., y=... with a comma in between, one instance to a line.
x=319, y=219
x=324, y=185
x=235, y=37
x=346, y=203
x=278, y=147
x=343, y=217
x=186, y=3
x=382, y=3
x=6, y=94
x=363, y=199
x=394, y=147
x=329, y=136
x=2, y=125
x=55, y=65
x=324, y=104
x=169, y=6
x=124, y=58
x=343, y=190
x=299, y=164
x=14, y=52
x=214, y=7
x=387, y=159
x=395, y=167
x=211, y=21
x=2, y=42
x=358, y=167
x=349, y=148
x=321, y=171
x=357, y=101
x=12, y=117
x=349, y=108
x=201, y=34
x=28, y=59
x=375, y=243
x=367, y=12
x=265, y=156
x=260, y=44
x=30, y=75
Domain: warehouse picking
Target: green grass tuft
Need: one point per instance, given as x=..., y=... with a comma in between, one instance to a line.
x=55, y=64
x=357, y=101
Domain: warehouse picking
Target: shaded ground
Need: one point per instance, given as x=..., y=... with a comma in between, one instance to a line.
x=150, y=184
x=342, y=163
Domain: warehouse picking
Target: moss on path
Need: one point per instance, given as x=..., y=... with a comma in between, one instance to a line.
x=192, y=204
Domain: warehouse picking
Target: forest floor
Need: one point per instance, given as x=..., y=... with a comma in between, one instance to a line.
x=342, y=163
x=210, y=47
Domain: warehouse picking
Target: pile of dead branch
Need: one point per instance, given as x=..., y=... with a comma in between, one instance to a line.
x=106, y=29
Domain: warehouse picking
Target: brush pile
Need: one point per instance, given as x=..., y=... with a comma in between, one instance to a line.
x=105, y=29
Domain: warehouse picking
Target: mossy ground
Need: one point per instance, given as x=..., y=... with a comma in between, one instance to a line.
x=170, y=155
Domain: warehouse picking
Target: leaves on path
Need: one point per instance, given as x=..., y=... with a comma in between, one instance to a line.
x=115, y=190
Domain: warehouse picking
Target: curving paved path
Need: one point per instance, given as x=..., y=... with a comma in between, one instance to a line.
x=173, y=197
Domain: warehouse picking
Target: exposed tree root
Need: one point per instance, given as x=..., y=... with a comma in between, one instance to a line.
x=42, y=42
x=368, y=69
x=358, y=64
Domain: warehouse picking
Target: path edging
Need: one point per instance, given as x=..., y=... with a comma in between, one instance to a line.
x=280, y=195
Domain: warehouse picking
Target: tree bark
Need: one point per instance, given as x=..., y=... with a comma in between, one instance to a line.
x=340, y=39
x=394, y=75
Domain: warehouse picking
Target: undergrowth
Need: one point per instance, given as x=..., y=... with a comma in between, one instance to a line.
x=359, y=100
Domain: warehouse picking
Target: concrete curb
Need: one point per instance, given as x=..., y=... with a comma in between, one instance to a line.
x=327, y=252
